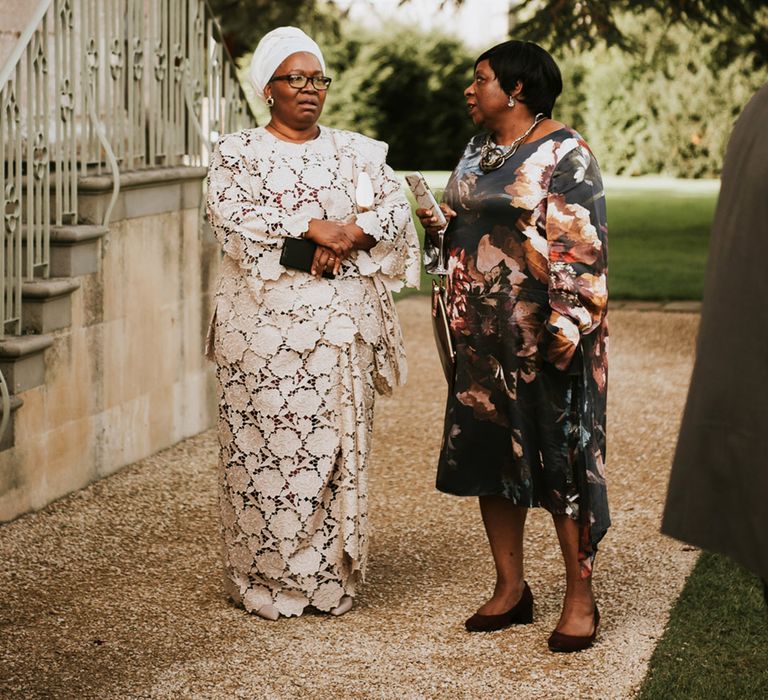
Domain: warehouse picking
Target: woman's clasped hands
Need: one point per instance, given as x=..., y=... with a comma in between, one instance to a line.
x=335, y=242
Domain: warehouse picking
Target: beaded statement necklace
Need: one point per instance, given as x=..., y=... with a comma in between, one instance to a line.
x=492, y=157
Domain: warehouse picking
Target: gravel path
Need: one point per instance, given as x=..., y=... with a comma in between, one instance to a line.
x=113, y=592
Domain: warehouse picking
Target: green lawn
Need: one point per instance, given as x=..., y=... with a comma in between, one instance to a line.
x=658, y=233
x=716, y=642
x=658, y=236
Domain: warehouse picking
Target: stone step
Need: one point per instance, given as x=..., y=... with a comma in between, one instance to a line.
x=142, y=193
x=7, y=439
x=22, y=362
x=75, y=249
x=46, y=304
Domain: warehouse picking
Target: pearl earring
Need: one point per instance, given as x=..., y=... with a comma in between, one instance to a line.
x=511, y=102
x=270, y=101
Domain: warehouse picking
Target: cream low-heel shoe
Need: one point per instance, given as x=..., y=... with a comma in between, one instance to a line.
x=344, y=606
x=268, y=612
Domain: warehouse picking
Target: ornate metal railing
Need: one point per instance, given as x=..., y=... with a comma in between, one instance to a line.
x=96, y=86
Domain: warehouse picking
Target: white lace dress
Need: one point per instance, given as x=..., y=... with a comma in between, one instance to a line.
x=298, y=359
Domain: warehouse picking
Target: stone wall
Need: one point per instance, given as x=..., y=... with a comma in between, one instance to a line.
x=127, y=377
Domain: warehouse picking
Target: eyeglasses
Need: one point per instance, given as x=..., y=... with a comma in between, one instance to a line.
x=299, y=82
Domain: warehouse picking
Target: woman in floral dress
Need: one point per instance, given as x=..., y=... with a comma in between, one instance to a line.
x=299, y=354
x=527, y=262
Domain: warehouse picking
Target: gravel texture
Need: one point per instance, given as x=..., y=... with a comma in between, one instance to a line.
x=114, y=591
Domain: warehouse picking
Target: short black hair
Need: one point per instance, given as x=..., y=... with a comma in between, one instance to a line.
x=530, y=64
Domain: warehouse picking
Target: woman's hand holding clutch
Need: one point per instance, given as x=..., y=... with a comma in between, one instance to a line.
x=325, y=260
x=334, y=244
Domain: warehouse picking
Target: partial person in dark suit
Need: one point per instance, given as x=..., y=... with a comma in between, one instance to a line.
x=719, y=482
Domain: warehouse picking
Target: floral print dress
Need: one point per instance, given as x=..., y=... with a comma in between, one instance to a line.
x=527, y=297
x=298, y=359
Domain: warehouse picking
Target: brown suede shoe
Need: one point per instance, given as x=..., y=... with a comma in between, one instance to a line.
x=567, y=643
x=520, y=614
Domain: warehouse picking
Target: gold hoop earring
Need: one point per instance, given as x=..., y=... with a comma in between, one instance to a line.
x=270, y=101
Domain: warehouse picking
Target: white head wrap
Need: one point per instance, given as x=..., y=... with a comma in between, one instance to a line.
x=273, y=49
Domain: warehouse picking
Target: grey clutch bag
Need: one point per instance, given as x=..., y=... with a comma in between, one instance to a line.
x=442, y=332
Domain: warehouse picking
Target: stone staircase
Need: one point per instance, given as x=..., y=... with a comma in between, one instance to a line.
x=109, y=367
x=108, y=111
x=47, y=312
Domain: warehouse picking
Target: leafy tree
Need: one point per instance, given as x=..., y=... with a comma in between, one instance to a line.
x=244, y=22
x=583, y=24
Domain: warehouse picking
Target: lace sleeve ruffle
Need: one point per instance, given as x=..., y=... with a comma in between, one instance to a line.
x=395, y=258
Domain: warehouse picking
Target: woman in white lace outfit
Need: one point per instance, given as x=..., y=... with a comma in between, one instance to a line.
x=299, y=355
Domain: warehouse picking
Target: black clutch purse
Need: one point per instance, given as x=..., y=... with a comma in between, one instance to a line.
x=442, y=332
x=298, y=254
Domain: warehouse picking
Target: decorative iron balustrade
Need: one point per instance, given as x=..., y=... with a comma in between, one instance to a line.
x=102, y=86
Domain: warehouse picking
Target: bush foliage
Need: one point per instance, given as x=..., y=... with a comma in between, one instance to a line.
x=667, y=109
x=403, y=87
